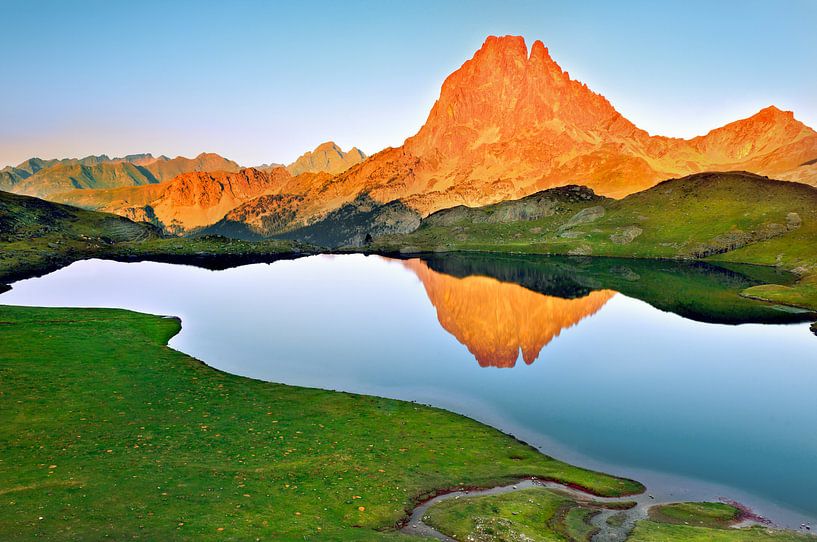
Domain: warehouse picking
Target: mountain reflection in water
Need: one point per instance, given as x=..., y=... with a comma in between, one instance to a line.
x=495, y=320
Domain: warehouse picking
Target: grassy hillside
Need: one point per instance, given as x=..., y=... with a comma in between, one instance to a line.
x=108, y=433
x=737, y=217
x=530, y=515
x=37, y=236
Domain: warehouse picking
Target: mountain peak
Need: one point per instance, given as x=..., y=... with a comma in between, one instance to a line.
x=327, y=146
x=504, y=94
x=327, y=157
x=512, y=46
x=772, y=112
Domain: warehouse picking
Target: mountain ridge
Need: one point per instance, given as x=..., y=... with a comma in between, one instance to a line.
x=508, y=123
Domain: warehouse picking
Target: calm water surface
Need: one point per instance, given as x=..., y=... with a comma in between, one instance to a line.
x=556, y=357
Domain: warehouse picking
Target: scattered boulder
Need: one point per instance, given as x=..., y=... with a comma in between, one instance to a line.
x=625, y=236
x=581, y=250
x=585, y=216
x=571, y=234
x=793, y=221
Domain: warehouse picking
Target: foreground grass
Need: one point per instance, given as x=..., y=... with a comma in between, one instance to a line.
x=108, y=433
x=540, y=514
x=700, y=514
x=704, y=521
x=534, y=515
x=652, y=531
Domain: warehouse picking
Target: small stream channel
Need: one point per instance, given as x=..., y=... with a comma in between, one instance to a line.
x=617, y=532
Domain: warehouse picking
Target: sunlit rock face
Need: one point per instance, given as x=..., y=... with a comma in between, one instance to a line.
x=496, y=320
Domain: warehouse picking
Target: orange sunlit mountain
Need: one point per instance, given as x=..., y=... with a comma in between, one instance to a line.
x=496, y=320
x=508, y=123
x=511, y=122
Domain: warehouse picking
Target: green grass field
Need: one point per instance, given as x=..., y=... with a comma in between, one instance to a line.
x=699, y=514
x=108, y=433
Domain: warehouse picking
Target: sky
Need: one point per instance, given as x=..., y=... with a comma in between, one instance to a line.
x=264, y=81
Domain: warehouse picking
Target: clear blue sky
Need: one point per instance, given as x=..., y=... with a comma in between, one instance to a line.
x=264, y=81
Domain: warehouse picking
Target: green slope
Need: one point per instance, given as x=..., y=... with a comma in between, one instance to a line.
x=737, y=217
x=540, y=514
x=38, y=236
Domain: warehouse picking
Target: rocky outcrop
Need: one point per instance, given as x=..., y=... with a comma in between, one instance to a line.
x=542, y=204
x=585, y=216
x=626, y=235
x=358, y=223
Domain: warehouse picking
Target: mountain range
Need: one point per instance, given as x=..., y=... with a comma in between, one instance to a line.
x=46, y=178
x=508, y=123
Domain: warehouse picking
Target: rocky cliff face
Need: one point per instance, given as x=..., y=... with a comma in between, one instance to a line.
x=498, y=320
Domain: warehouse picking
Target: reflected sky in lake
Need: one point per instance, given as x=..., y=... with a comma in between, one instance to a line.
x=695, y=410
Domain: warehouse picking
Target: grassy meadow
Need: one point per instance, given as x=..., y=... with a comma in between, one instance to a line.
x=108, y=433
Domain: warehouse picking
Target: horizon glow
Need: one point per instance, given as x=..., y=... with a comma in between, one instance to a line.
x=261, y=82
